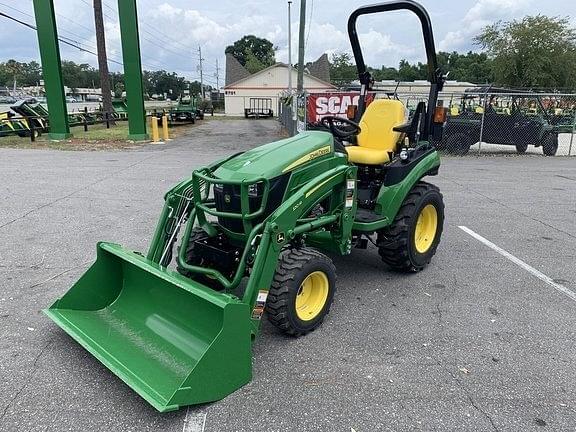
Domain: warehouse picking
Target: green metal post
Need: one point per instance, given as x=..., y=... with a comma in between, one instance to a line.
x=51, y=69
x=132, y=69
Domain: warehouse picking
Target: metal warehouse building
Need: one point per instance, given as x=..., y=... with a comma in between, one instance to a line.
x=269, y=83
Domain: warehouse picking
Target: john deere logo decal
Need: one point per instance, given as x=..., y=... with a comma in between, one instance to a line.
x=308, y=157
x=280, y=238
x=227, y=199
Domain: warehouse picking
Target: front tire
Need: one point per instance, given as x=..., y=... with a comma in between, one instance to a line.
x=550, y=144
x=410, y=242
x=302, y=291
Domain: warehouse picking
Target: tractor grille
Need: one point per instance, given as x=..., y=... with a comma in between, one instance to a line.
x=227, y=199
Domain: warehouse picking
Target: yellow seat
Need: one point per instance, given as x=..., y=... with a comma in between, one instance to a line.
x=377, y=137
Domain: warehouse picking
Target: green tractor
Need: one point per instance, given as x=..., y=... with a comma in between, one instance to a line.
x=251, y=230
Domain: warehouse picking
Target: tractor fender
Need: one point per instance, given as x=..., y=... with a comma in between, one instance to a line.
x=391, y=197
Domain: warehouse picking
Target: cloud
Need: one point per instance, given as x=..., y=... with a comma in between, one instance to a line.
x=378, y=48
x=215, y=34
x=483, y=13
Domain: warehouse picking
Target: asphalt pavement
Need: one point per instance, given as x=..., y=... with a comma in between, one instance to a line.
x=475, y=342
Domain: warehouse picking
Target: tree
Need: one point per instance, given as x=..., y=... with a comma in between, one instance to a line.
x=12, y=72
x=342, y=70
x=538, y=51
x=79, y=75
x=107, y=108
x=162, y=82
x=253, y=65
x=472, y=67
x=254, y=52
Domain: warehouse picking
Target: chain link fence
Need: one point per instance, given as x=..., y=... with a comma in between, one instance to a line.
x=504, y=122
x=286, y=114
x=483, y=122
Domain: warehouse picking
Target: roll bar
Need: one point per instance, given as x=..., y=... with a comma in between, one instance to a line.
x=435, y=76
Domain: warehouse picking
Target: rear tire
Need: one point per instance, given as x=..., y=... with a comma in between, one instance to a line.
x=302, y=291
x=550, y=144
x=521, y=148
x=410, y=242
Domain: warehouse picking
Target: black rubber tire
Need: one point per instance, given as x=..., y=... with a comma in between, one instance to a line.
x=191, y=258
x=458, y=143
x=521, y=148
x=396, y=242
x=550, y=144
x=294, y=265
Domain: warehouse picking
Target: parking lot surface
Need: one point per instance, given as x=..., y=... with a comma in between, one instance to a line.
x=474, y=342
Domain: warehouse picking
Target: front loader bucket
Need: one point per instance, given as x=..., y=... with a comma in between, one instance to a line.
x=172, y=340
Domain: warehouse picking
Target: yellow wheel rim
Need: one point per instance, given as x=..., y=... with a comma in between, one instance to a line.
x=312, y=296
x=426, y=228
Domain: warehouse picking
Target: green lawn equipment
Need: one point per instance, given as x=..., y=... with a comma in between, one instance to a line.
x=505, y=122
x=251, y=228
x=187, y=110
x=34, y=115
x=10, y=125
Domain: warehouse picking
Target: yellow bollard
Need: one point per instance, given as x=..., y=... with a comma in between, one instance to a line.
x=155, y=134
x=165, y=135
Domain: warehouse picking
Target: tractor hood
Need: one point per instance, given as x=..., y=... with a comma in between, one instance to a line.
x=276, y=158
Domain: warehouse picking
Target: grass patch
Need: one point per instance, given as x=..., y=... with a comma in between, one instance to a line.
x=96, y=138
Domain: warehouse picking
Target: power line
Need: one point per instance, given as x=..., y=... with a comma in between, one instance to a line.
x=152, y=64
x=170, y=37
x=110, y=8
x=32, y=16
x=309, y=23
x=64, y=41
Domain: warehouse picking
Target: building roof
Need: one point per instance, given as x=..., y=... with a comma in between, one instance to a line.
x=320, y=68
x=234, y=70
x=277, y=65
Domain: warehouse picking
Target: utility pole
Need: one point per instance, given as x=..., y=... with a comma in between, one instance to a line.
x=289, y=47
x=201, y=72
x=217, y=75
x=300, y=87
x=102, y=61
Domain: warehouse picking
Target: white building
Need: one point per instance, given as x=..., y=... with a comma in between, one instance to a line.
x=269, y=83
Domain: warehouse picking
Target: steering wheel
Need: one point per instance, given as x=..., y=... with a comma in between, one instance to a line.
x=329, y=122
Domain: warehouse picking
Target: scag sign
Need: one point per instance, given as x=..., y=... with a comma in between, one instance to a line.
x=321, y=105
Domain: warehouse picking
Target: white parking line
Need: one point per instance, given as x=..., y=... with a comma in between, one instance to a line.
x=558, y=287
x=194, y=422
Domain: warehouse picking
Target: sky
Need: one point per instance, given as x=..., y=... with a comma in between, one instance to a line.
x=172, y=30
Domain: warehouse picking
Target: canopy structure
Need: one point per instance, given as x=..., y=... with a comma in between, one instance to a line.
x=52, y=72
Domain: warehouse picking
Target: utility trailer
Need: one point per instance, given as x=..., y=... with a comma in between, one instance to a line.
x=259, y=107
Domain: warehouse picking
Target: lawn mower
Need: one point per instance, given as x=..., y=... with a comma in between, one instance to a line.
x=247, y=236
